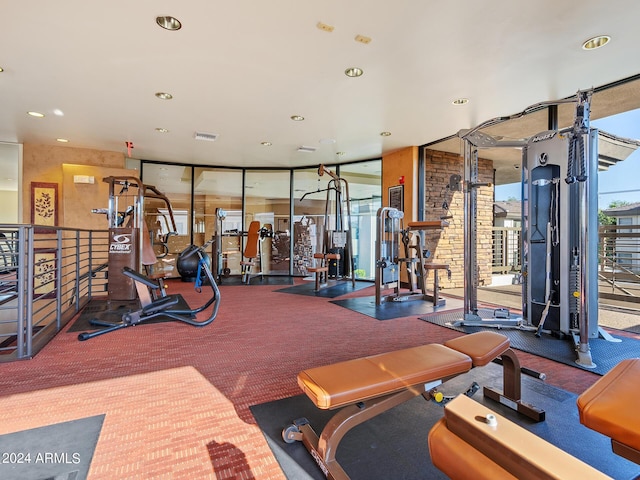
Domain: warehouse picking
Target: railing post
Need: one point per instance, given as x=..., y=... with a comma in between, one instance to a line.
x=77, y=281
x=26, y=330
x=58, y=283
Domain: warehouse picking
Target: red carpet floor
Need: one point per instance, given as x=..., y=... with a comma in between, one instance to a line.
x=195, y=422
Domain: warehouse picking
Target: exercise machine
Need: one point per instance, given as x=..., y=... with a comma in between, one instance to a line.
x=390, y=233
x=129, y=238
x=337, y=237
x=156, y=304
x=252, y=252
x=560, y=229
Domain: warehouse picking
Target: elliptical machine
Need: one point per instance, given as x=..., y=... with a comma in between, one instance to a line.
x=154, y=303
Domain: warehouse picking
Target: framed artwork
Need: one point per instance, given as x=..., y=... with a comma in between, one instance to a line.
x=44, y=204
x=396, y=197
x=44, y=273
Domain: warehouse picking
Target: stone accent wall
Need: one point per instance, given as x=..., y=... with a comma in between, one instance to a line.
x=447, y=246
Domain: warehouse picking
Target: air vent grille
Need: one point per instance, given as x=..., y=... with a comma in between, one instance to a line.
x=207, y=137
x=306, y=149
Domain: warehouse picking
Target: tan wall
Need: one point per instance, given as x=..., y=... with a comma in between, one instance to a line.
x=78, y=199
x=403, y=163
x=43, y=163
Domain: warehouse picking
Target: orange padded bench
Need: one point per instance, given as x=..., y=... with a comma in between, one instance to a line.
x=609, y=407
x=363, y=388
x=472, y=441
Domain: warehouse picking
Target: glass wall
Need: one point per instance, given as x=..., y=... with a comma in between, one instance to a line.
x=309, y=201
x=266, y=200
x=365, y=183
x=290, y=232
x=173, y=181
x=217, y=190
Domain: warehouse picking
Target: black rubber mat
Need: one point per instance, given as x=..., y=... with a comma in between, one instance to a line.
x=391, y=310
x=60, y=451
x=604, y=354
x=112, y=311
x=394, y=445
x=332, y=290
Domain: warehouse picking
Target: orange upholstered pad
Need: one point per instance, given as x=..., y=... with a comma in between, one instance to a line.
x=520, y=452
x=344, y=383
x=426, y=225
x=610, y=405
x=482, y=347
x=458, y=459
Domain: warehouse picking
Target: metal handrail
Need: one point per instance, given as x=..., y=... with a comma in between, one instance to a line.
x=52, y=275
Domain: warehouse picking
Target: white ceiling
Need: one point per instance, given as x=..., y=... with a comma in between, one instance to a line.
x=241, y=69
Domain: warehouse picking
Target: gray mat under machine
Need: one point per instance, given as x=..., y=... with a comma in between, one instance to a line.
x=389, y=262
x=559, y=230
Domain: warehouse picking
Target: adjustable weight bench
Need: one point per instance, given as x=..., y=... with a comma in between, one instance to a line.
x=366, y=387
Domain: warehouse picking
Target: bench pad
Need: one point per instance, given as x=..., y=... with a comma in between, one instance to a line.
x=458, y=459
x=609, y=405
x=482, y=347
x=339, y=384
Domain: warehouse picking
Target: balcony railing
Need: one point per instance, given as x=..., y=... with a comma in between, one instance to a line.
x=618, y=259
x=46, y=276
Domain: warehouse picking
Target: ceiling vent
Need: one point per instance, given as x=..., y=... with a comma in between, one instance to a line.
x=208, y=137
x=306, y=149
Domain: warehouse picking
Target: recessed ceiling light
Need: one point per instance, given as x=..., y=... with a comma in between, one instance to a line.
x=164, y=95
x=58, y=113
x=340, y=153
x=62, y=140
x=363, y=39
x=385, y=134
x=169, y=23
x=596, y=42
x=297, y=118
x=353, y=72
x=162, y=130
x=460, y=101
x=266, y=144
x=324, y=27
x=36, y=114
x=1, y=69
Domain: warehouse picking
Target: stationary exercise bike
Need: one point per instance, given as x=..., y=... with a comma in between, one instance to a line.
x=155, y=303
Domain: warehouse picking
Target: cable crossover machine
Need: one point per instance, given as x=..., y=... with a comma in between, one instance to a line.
x=559, y=229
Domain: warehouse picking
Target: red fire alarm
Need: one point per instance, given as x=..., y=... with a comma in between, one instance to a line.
x=401, y=180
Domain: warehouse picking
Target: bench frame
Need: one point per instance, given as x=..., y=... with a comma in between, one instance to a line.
x=323, y=447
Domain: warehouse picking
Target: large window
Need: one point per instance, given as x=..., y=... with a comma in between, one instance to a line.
x=266, y=200
x=289, y=235
x=173, y=181
x=364, y=181
x=219, y=190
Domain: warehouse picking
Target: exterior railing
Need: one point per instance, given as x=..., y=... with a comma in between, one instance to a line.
x=47, y=275
x=618, y=258
x=506, y=250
